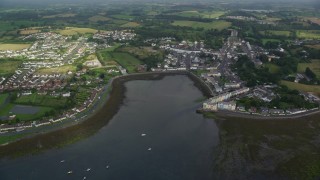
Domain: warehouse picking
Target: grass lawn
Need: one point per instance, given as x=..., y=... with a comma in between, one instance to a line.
x=42, y=100
x=131, y=25
x=69, y=31
x=13, y=47
x=126, y=60
x=301, y=87
x=219, y=25
x=10, y=138
x=314, y=66
x=272, y=68
x=308, y=34
x=8, y=67
x=61, y=70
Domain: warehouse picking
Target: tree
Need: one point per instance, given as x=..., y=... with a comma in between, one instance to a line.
x=309, y=73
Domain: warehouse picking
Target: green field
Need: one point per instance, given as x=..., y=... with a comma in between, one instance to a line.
x=272, y=68
x=98, y=18
x=197, y=14
x=314, y=66
x=130, y=25
x=69, y=31
x=61, y=70
x=219, y=25
x=308, y=34
x=126, y=60
x=122, y=16
x=8, y=67
x=275, y=33
x=302, y=87
x=13, y=47
x=42, y=100
x=264, y=41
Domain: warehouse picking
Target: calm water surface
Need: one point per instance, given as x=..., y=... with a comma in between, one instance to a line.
x=181, y=141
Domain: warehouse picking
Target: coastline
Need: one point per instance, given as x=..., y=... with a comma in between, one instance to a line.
x=70, y=133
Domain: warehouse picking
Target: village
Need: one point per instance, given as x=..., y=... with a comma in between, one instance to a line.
x=213, y=67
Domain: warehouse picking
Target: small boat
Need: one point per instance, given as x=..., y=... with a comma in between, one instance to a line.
x=70, y=172
x=84, y=178
x=62, y=161
x=143, y=135
x=89, y=169
x=149, y=149
x=107, y=167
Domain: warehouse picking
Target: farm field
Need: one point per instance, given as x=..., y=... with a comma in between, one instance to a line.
x=122, y=16
x=130, y=25
x=308, y=34
x=197, y=14
x=315, y=20
x=13, y=47
x=8, y=67
x=73, y=31
x=314, y=66
x=66, y=15
x=126, y=60
x=301, y=87
x=28, y=31
x=264, y=41
x=275, y=33
x=98, y=18
x=219, y=25
x=55, y=70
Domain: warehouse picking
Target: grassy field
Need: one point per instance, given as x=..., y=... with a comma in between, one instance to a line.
x=61, y=70
x=73, y=31
x=122, y=16
x=13, y=47
x=219, y=25
x=8, y=67
x=38, y=115
x=98, y=18
x=272, y=68
x=41, y=100
x=130, y=25
x=66, y=15
x=276, y=33
x=141, y=52
x=126, y=60
x=314, y=66
x=197, y=14
x=264, y=41
x=28, y=31
x=301, y=87
x=308, y=34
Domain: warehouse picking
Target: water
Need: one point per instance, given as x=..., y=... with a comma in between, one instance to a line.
x=181, y=140
x=20, y=109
